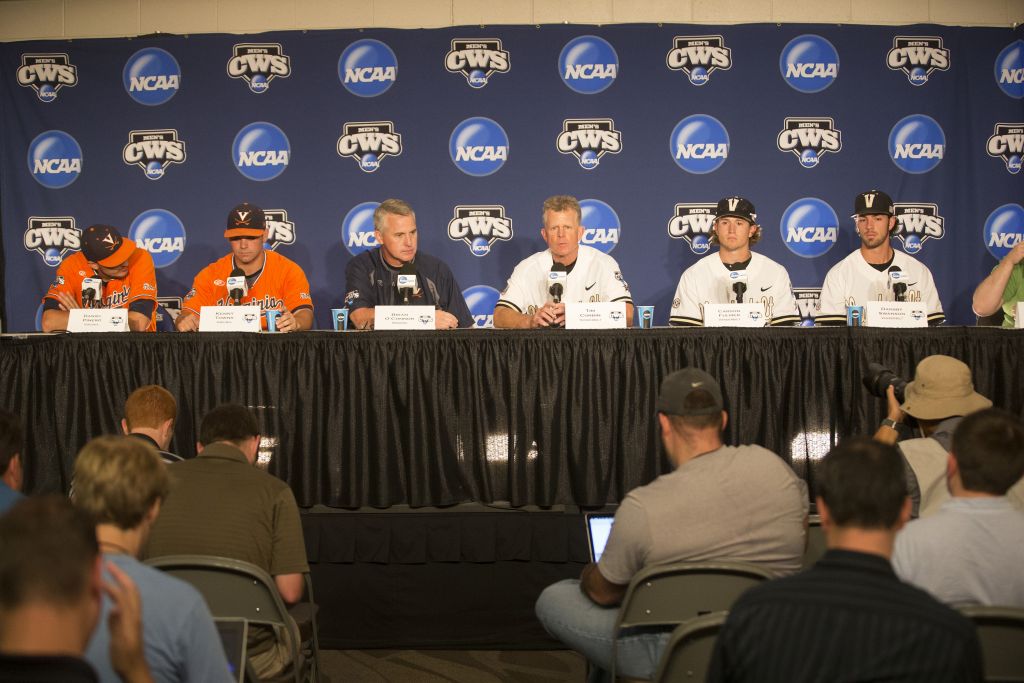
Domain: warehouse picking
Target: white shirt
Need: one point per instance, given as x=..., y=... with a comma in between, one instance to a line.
x=853, y=281
x=707, y=282
x=595, y=277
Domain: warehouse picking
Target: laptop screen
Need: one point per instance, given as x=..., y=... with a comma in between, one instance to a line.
x=599, y=527
x=233, y=634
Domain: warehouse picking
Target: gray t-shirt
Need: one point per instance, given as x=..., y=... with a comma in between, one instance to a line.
x=740, y=503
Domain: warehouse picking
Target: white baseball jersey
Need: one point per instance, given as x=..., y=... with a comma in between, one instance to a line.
x=595, y=277
x=707, y=282
x=853, y=281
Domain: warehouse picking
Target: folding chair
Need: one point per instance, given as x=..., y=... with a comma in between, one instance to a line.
x=1001, y=632
x=688, y=653
x=815, y=541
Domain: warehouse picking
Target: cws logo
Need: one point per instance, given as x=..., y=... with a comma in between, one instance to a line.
x=369, y=142
x=47, y=74
x=478, y=146
x=161, y=233
x=1004, y=229
x=280, y=230
x=589, y=140
x=809, y=227
x=153, y=151
x=368, y=68
x=52, y=237
x=601, y=226
x=916, y=223
x=1010, y=69
x=357, y=228
x=809, y=63
x=809, y=138
x=693, y=223
x=151, y=76
x=806, y=303
x=1007, y=142
x=588, y=65
x=481, y=300
x=54, y=159
x=698, y=57
x=258, y=64
x=480, y=227
x=917, y=57
x=699, y=144
x=917, y=143
x=261, y=151
x=477, y=59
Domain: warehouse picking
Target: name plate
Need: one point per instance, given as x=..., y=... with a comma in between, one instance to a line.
x=1018, y=316
x=597, y=315
x=734, y=315
x=229, y=319
x=895, y=314
x=404, y=317
x=98, y=320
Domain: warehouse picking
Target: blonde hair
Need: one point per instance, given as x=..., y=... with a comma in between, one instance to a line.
x=561, y=202
x=118, y=479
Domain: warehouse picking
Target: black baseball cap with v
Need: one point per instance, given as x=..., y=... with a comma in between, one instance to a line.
x=104, y=245
x=873, y=202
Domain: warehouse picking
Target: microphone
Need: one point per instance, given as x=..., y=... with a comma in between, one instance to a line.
x=237, y=288
x=556, y=281
x=739, y=283
x=899, y=288
x=92, y=288
x=407, y=281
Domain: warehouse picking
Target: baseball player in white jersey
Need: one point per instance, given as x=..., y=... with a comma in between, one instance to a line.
x=865, y=274
x=592, y=274
x=708, y=281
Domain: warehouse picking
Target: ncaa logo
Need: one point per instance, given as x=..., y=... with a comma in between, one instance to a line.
x=698, y=57
x=153, y=151
x=693, y=223
x=478, y=146
x=917, y=223
x=369, y=142
x=809, y=138
x=479, y=227
x=46, y=74
x=1007, y=142
x=481, y=300
x=917, y=143
x=52, y=237
x=151, y=76
x=476, y=59
x=588, y=64
x=261, y=151
x=357, y=228
x=917, y=57
x=1004, y=229
x=161, y=233
x=589, y=140
x=809, y=63
x=699, y=144
x=55, y=159
x=809, y=227
x=280, y=230
x=601, y=225
x=367, y=68
x=258, y=64
x=1010, y=69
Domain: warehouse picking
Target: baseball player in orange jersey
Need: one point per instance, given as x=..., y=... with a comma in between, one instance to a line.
x=273, y=282
x=128, y=280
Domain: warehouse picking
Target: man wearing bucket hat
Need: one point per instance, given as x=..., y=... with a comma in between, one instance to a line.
x=127, y=279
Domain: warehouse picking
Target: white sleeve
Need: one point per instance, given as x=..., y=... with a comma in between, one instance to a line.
x=930, y=296
x=685, y=305
x=614, y=286
x=516, y=295
x=832, y=302
x=785, y=311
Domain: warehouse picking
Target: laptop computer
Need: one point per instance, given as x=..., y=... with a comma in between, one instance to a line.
x=233, y=635
x=599, y=527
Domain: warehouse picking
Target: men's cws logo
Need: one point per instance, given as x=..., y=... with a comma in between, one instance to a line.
x=1004, y=229
x=601, y=226
x=1007, y=142
x=917, y=143
x=916, y=224
x=357, y=228
x=480, y=227
x=47, y=74
x=477, y=59
x=807, y=303
x=588, y=65
x=151, y=76
x=809, y=63
x=261, y=151
x=589, y=140
x=52, y=237
x=481, y=301
x=698, y=57
x=917, y=57
x=809, y=227
x=55, y=159
x=369, y=142
x=161, y=233
x=153, y=151
x=478, y=146
x=280, y=230
x=367, y=68
x=258, y=64
x=1010, y=69
x=693, y=223
x=809, y=138
x=699, y=144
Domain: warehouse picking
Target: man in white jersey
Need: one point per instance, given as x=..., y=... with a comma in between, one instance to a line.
x=591, y=274
x=708, y=280
x=865, y=275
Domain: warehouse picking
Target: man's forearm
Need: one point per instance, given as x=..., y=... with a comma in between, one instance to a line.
x=509, y=318
x=988, y=297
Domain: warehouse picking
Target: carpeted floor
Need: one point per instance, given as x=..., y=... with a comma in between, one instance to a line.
x=452, y=666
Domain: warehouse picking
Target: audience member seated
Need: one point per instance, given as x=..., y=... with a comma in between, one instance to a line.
x=149, y=415
x=10, y=460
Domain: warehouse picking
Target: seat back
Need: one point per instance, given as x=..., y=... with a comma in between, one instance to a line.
x=815, y=541
x=1001, y=633
x=688, y=654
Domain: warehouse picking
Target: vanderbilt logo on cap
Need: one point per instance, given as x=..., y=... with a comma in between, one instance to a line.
x=869, y=199
x=733, y=203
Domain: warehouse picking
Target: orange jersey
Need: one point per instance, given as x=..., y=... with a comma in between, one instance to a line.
x=138, y=285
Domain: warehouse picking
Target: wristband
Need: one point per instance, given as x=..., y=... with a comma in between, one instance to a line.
x=890, y=423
